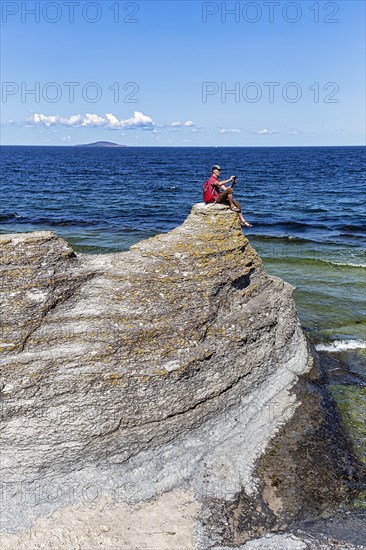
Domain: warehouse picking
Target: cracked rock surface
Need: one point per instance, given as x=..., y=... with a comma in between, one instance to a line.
x=142, y=376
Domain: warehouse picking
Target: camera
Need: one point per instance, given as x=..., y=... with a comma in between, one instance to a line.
x=233, y=181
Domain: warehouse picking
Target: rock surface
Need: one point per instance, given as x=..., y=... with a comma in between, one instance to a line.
x=176, y=368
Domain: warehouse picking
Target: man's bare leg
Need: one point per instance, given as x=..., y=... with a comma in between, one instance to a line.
x=241, y=217
x=227, y=195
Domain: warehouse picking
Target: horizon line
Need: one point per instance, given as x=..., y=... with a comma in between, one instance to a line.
x=176, y=146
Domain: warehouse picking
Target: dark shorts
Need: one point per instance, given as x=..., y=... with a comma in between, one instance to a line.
x=223, y=199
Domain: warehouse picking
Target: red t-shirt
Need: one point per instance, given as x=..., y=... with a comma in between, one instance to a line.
x=211, y=189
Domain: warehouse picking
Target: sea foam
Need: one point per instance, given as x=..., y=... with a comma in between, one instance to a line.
x=341, y=345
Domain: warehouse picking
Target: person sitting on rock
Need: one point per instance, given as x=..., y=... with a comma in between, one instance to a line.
x=214, y=191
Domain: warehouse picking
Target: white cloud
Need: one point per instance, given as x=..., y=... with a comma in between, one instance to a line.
x=178, y=124
x=55, y=120
x=109, y=121
x=233, y=131
x=43, y=119
x=112, y=120
x=93, y=120
x=138, y=120
x=265, y=132
x=283, y=131
x=73, y=120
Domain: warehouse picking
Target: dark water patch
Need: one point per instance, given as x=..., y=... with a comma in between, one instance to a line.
x=278, y=238
x=314, y=209
x=343, y=530
x=351, y=401
x=343, y=368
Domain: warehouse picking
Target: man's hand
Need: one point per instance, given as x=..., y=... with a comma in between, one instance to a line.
x=222, y=184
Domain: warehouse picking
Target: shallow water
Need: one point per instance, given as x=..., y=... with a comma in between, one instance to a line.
x=351, y=401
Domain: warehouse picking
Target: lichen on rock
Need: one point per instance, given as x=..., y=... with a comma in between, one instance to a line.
x=170, y=367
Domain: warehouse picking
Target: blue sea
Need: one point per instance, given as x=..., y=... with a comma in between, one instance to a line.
x=306, y=204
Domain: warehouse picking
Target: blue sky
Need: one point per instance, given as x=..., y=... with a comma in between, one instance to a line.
x=160, y=72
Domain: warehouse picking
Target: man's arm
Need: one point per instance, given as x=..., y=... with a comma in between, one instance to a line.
x=222, y=184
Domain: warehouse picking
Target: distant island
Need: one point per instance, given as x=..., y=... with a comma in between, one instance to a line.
x=101, y=144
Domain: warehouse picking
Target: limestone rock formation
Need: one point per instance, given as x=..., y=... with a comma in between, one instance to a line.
x=176, y=368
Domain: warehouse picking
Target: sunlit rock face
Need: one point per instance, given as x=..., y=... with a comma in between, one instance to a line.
x=178, y=367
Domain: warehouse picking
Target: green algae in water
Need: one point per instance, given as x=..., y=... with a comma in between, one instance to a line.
x=351, y=401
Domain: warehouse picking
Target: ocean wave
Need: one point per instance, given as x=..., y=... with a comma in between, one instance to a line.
x=314, y=209
x=324, y=229
x=341, y=345
x=313, y=261
x=306, y=257
x=9, y=216
x=357, y=236
x=344, y=264
x=15, y=218
x=353, y=228
x=285, y=238
x=303, y=225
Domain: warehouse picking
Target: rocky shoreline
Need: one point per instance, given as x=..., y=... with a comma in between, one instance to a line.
x=164, y=397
